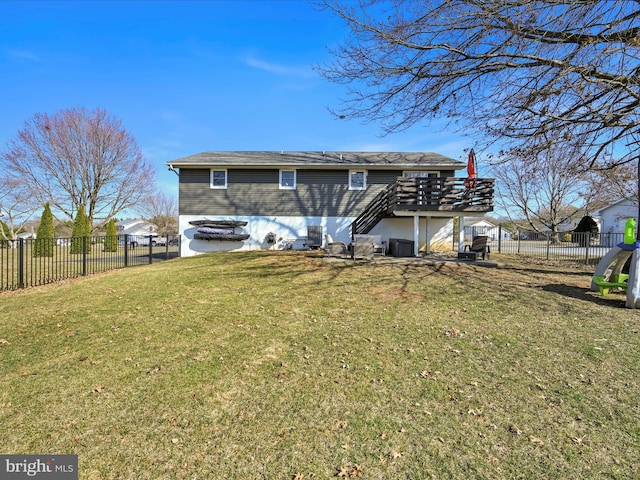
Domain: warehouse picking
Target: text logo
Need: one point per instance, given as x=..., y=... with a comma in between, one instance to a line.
x=44, y=467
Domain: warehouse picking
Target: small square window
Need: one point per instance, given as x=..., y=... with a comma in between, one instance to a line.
x=357, y=180
x=288, y=179
x=218, y=179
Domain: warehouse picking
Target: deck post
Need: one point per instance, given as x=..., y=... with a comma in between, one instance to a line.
x=416, y=235
x=428, y=232
x=460, y=233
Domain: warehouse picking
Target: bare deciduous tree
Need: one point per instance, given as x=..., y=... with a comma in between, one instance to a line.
x=547, y=190
x=17, y=205
x=516, y=69
x=160, y=209
x=76, y=158
x=615, y=184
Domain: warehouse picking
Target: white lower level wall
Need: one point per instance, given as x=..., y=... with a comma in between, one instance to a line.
x=437, y=233
x=285, y=229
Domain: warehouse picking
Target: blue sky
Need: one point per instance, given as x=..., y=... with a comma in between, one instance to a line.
x=186, y=77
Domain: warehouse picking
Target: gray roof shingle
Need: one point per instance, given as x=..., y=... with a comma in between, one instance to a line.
x=319, y=159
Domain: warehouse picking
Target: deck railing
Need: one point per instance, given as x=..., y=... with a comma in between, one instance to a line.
x=427, y=194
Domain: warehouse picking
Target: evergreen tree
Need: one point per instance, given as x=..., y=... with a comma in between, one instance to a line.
x=81, y=230
x=6, y=233
x=45, y=241
x=111, y=240
x=586, y=230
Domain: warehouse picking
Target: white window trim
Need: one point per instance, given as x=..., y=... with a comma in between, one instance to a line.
x=364, y=180
x=413, y=173
x=295, y=179
x=226, y=178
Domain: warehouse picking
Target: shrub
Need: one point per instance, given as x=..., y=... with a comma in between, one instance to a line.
x=111, y=240
x=586, y=231
x=45, y=241
x=81, y=230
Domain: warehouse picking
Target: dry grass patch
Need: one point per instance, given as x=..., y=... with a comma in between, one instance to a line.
x=278, y=365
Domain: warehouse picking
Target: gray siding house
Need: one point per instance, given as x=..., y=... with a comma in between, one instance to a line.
x=281, y=194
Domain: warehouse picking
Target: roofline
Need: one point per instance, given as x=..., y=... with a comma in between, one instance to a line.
x=313, y=159
x=319, y=166
x=614, y=204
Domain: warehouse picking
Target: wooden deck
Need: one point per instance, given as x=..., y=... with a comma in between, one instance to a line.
x=425, y=194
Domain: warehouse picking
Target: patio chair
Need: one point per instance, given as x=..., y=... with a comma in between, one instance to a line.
x=379, y=245
x=335, y=247
x=479, y=246
x=363, y=247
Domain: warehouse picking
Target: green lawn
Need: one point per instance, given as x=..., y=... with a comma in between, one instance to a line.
x=280, y=366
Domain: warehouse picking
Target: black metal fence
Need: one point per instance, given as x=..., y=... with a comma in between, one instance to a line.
x=581, y=248
x=23, y=264
x=32, y=262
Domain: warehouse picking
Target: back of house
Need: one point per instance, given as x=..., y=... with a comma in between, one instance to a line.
x=269, y=200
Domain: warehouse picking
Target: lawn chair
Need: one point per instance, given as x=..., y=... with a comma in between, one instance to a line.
x=363, y=247
x=479, y=246
x=335, y=247
x=379, y=245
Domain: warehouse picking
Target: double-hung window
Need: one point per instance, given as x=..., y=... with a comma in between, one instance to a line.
x=357, y=180
x=218, y=178
x=287, y=179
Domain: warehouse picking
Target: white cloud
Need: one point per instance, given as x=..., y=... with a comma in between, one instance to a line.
x=278, y=69
x=23, y=55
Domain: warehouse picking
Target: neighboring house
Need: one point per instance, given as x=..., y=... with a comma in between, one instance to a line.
x=474, y=227
x=286, y=196
x=136, y=227
x=26, y=235
x=613, y=217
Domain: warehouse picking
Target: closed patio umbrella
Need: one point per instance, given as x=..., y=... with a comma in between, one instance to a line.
x=470, y=182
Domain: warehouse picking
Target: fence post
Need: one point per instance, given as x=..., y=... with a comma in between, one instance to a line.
x=499, y=238
x=150, y=249
x=126, y=250
x=548, y=245
x=21, y=263
x=586, y=250
x=84, y=256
